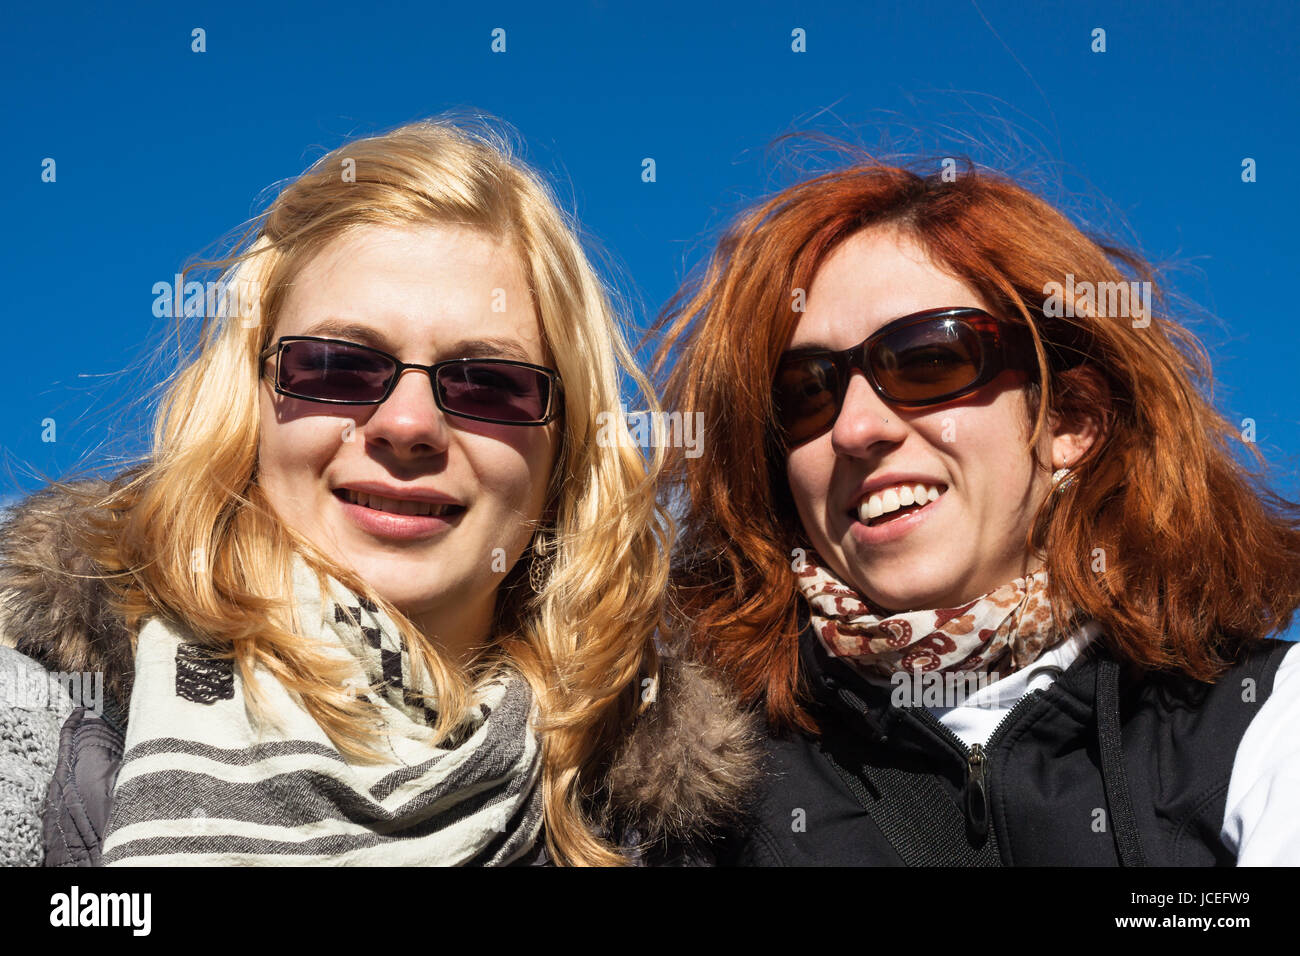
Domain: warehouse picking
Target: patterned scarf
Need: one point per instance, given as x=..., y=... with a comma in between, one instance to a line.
x=996, y=634
x=200, y=784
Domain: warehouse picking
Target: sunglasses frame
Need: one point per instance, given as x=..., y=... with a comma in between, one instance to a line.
x=554, y=393
x=1001, y=348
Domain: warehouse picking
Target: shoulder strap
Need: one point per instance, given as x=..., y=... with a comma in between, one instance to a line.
x=1114, y=776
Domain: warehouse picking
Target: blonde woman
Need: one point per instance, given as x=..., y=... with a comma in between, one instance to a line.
x=378, y=595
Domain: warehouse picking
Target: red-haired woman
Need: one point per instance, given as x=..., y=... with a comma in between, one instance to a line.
x=968, y=533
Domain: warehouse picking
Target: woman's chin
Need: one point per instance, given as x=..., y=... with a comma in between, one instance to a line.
x=888, y=595
x=900, y=604
x=404, y=584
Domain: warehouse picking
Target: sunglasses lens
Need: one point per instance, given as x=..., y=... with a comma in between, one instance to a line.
x=806, y=397
x=501, y=393
x=927, y=361
x=333, y=372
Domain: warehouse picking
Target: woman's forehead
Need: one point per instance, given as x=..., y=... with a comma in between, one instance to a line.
x=872, y=278
x=398, y=289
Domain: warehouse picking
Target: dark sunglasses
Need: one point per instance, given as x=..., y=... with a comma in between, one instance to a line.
x=500, y=391
x=922, y=359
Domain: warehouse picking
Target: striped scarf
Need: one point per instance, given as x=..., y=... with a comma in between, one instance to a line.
x=201, y=785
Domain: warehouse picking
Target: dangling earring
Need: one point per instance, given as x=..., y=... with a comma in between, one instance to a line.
x=539, y=568
x=1062, y=478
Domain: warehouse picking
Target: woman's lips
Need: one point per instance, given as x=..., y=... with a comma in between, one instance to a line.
x=888, y=499
x=884, y=532
x=386, y=524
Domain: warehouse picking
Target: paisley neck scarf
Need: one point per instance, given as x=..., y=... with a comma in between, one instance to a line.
x=996, y=634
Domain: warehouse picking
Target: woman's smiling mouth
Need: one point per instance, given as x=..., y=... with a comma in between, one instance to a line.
x=398, y=506
x=398, y=518
x=893, y=502
x=888, y=512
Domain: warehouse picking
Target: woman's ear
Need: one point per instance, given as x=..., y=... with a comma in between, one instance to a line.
x=1071, y=443
x=1078, y=425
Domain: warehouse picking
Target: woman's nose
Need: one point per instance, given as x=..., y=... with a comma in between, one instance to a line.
x=409, y=420
x=864, y=421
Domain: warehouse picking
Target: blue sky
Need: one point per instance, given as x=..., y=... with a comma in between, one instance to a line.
x=160, y=151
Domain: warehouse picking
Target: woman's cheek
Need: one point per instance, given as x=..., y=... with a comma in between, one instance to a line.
x=318, y=442
x=291, y=455
x=809, y=484
x=805, y=476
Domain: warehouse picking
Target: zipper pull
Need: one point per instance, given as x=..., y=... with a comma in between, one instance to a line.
x=977, y=799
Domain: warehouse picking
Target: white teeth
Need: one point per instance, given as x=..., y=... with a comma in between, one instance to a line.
x=891, y=499
x=395, y=505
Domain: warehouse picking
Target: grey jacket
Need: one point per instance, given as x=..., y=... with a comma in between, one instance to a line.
x=32, y=708
x=682, y=773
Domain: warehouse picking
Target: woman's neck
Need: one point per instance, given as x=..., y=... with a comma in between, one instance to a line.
x=459, y=633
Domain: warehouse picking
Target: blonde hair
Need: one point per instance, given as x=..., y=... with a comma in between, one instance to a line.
x=189, y=534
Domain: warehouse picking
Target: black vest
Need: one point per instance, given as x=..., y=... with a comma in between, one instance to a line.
x=1097, y=770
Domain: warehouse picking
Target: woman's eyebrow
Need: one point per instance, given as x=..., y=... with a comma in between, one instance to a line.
x=353, y=331
x=804, y=347
x=467, y=348
x=489, y=348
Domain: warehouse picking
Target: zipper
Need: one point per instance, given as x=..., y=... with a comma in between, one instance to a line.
x=977, y=794
x=976, y=789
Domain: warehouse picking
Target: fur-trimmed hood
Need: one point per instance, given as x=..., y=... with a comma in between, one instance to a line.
x=54, y=605
x=683, y=772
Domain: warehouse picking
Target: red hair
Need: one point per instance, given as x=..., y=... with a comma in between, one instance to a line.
x=1199, y=557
